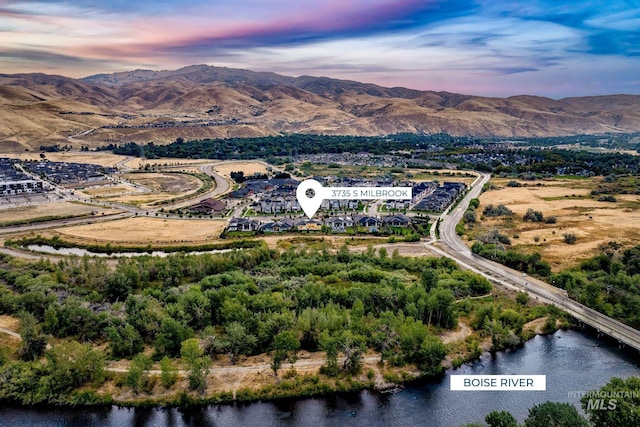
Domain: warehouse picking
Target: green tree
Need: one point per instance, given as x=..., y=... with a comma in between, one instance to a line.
x=429, y=279
x=124, y=340
x=138, y=374
x=469, y=217
x=236, y=341
x=501, y=419
x=430, y=355
x=197, y=362
x=330, y=344
x=285, y=347
x=71, y=364
x=624, y=411
x=170, y=337
x=554, y=414
x=168, y=373
x=33, y=342
x=522, y=298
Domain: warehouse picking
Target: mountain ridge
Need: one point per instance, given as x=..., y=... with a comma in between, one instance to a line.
x=202, y=101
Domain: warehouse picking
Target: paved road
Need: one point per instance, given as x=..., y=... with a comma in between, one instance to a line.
x=452, y=246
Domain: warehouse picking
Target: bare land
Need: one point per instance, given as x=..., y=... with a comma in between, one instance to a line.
x=593, y=222
x=172, y=183
x=143, y=231
x=247, y=166
x=97, y=158
x=151, y=187
x=108, y=190
x=55, y=209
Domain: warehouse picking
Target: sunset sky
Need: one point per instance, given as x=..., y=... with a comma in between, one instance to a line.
x=553, y=48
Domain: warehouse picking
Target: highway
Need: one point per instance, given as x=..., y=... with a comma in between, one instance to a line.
x=452, y=246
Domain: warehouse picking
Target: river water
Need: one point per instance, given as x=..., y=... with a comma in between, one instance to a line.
x=571, y=360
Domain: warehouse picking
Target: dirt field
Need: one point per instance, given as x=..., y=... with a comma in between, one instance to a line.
x=101, y=158
x=108, y=191
x=173, y=183
x=593, y=222
x=147, y=230
x=148, y=188
x=52, y=209
x=248, y=167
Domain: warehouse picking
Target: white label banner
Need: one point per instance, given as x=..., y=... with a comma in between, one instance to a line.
x=498, y=382
x=367, y=193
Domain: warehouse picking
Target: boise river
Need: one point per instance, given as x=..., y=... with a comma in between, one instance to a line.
x=571, y=360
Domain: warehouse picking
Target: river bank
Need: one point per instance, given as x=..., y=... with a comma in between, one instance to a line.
x=561, y=356
x=253, y=379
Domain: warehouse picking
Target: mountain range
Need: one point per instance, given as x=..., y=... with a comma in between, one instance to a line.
x=202, y=101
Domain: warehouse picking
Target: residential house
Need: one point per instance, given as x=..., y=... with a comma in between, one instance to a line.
x=371, y=223
x=397, y=220
x=279, y=226
x=339, y=223
x=304, y=224
x=243, y=224
x=208, y=206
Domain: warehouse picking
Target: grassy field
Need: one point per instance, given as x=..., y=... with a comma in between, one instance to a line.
x=143, y=231
x=56, y=209
x=578, y=212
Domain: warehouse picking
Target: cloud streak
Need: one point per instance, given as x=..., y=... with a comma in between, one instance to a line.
x=481, y=46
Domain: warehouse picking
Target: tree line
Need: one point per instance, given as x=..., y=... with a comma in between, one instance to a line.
x=203, y=307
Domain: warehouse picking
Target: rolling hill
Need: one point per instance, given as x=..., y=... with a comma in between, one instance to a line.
x=202, y=101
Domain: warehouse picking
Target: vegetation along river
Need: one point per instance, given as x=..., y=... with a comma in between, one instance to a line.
x=571, y=360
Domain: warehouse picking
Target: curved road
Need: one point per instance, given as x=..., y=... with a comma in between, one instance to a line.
x=452, y=246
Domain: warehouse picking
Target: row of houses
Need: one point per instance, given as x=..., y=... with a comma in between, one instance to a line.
x=441, y=197
x=13, y=181
x=276, y=187
x=68, y=172
x=337, y=224
x=276, y=205
x=419, y=190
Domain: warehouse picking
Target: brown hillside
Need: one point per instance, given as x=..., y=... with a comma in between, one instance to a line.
x=206, y=102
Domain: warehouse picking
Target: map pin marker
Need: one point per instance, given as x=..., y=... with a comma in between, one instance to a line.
x=309, y=204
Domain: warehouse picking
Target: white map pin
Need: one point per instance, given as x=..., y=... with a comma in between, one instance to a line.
x=308, y=204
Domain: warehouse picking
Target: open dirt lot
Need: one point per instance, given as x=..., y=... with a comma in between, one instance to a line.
x=147, y=230
x=144, y=188
x=52, y=209
x=173, y=183
x=248, y=167
x=108, y=191
x=96, y=158
x=593, y=222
